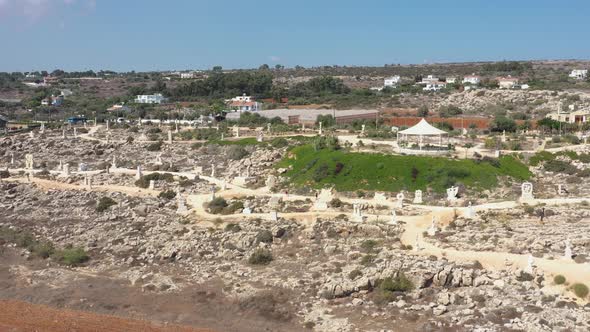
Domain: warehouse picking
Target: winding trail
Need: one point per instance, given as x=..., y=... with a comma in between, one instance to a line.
x=413, y=226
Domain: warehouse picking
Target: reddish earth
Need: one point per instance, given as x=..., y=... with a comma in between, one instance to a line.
x=33, y=298
x=21, y=316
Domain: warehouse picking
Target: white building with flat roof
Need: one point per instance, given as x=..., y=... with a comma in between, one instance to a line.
x=435, y=86
x=508, y=82
x=392, y=81
x=429, y=79
x=188, y=75
x=157, y=98
x=472, y=79
x=579, y=74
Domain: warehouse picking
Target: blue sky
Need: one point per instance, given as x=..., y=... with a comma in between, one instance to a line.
x=140, y=35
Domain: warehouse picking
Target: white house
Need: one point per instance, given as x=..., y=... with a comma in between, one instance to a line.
x=429, y=79
x=244, y=104
x=508, y=82
x=392, y=81
x=472, y=79
x=243, y=98
x=572, y=115
x=435, y=86
x=157, y=98
x=53, y=101
x=579, y=74
x=189, y=75
x=451, y=80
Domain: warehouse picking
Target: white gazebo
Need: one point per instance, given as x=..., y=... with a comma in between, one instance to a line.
x=422, y=134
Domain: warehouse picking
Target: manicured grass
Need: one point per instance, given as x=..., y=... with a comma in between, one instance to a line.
x=348, y=171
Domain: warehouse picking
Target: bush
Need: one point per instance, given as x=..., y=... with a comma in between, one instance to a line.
x=264, y=236
x=369, y=245
x=279, y=143
x=144, y=181
x=154, y=146
x=559, y=279
x=321, y=172
x=529, y=210
x=260, y=257
x=42, y=249
x=580, y=290
x=4, y=174
x=335, y=203
x=400, y=283
x=559, y=166
x=236, y=152
x=367, y=260
x=168, y=194
x=71, y=256
x=104, y=203
x=354, y=274
x=234, y=228
x=386, y=287
x=217, y=205
x=153, y=131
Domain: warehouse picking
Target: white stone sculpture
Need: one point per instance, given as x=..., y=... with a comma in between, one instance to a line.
x=452, y=193
x=526, y=191
x=418, y=197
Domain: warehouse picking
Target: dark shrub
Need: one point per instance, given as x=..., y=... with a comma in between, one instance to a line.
x=104, y=203
x=338, y=168
x=369, y=245
x=168, y=194
x=260, y=257
x=144, y=181
x=233, y=228
x=264, y=236
x=154, y=146
x=580, y=290
x=335, y=203
x=354, y=274
x=236, y=152
x=217, y=205
x=71, y=256
x=559, y=279
x=559, y=166
x=321, y=172
x=279, y=143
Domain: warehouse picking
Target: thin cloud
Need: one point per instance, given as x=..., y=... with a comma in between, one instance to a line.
x=35, y=10
x=274, y=58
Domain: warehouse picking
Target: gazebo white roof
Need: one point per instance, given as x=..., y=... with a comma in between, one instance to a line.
x=423, y=128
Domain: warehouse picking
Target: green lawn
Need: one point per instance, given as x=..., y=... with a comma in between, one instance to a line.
x=348, y=171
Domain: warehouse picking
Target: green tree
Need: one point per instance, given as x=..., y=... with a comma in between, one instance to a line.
x=502, y=123
x=423, y=111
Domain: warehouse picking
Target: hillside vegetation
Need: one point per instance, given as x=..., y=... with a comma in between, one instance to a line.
x=349, y=171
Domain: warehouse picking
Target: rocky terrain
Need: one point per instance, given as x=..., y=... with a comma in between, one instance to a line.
x=225, y=270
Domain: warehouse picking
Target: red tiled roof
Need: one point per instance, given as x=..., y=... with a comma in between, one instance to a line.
x=242, y=103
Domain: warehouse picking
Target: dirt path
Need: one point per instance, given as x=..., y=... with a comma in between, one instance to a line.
x=55, y=185
x=413, y=229
x=416, y=226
